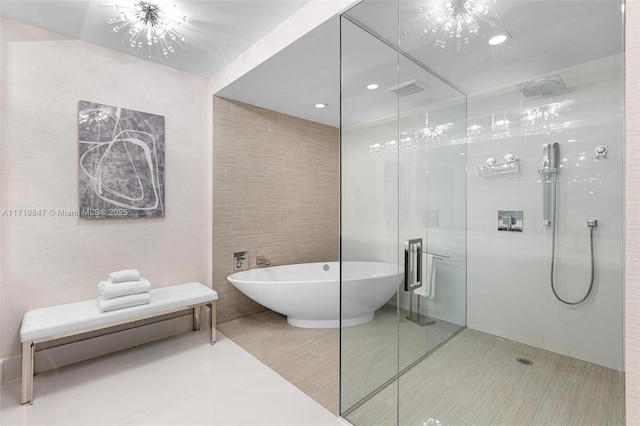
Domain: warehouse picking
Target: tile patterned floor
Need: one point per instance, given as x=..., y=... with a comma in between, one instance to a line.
x=474, y=380
x=471, y=380
x=370, y=351
x=308, y=358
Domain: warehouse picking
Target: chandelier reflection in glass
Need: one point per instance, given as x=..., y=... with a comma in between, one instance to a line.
x=407, y=144
x=410, y=142
x=380, y=149
x=476, y=132
x=455, y=22
x=432, y=134
x=538, y=120
x=501, y=129
x=544, y=119
x=147, y=24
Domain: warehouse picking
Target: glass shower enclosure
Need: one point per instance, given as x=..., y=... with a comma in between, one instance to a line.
x=489, y=176
x=403, y=202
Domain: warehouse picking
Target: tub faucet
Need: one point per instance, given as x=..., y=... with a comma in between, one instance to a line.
x=261, y=260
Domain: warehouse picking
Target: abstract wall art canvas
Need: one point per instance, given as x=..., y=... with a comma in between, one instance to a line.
x=121, y=162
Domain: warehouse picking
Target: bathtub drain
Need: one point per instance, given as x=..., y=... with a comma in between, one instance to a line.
x=325, y=267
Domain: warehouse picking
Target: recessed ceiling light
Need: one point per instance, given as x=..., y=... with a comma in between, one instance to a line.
x=499, y=38
x=320, y=105
x=372, y=86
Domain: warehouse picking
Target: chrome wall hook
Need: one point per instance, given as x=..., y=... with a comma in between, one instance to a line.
x=601, y=150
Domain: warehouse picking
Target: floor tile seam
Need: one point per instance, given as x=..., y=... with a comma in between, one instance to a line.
x=542, y=403
x=507, y=405
x=589, y=393
x=513, y=385
x=151, y=411
x=256, y=359
x=494, y=416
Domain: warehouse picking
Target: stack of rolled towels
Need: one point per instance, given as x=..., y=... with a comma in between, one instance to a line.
x=123, y=289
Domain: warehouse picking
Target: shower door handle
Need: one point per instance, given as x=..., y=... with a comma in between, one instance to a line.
x=412, y=264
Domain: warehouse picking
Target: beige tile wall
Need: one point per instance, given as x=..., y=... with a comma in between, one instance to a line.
x=275, y=193
x=632, y=218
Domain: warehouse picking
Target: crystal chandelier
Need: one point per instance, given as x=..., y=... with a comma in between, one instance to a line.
x=146, y=23
x=454, y=22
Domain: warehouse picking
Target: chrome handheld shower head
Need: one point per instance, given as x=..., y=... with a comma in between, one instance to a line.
x=554, y=160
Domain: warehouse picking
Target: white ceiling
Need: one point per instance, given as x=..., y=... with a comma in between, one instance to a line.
x=546, y=36
x=305, y=73
x=222, y=29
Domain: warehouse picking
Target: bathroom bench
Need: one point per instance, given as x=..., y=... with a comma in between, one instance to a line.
x=61, y=321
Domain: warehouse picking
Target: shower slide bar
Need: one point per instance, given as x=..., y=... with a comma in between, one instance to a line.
x=550, y=167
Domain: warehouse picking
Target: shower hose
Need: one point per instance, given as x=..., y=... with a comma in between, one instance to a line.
x=553, y=251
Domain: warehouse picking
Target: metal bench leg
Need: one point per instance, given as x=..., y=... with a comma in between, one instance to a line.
x=28, y=353
x=196, y=318
x=212, y=306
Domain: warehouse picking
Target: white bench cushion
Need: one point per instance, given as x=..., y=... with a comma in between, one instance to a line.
x=74, y=317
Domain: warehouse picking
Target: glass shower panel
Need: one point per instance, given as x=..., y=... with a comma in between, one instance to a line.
x=369, y=217
x=413, y=95
x=403, y=178
x=557, y=84
x=432, y=202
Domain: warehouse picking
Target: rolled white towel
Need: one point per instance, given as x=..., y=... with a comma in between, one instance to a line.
x=109, y=290
x=106, y=305
x=124, y=275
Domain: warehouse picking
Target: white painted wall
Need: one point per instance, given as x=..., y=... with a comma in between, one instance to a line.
x=508, y=286
x=51, y=260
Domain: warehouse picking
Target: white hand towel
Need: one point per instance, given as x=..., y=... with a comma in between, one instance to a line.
x=109, y=290
x=106, y=305
x=124, y=275
x=431, y=275
x=428, y=277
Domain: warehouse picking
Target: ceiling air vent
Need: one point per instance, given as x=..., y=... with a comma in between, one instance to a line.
x=543, y=86
x=408, y=88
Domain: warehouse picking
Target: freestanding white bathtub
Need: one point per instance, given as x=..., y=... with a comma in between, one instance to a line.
x=309, y=293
